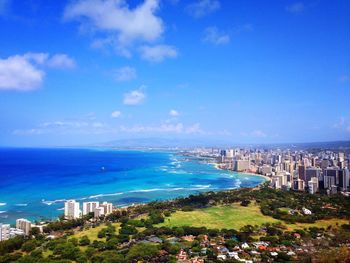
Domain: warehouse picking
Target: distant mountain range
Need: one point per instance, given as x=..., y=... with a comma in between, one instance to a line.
x=191, y=143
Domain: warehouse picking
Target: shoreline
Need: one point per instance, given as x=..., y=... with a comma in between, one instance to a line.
x=217, y=166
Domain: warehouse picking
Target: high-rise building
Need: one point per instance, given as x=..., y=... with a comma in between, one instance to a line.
x=343, y=179
x=312, y=172
x=330, y=177
x=299, y=185
x=241, y=165
x=230, y=153
x=71, y=209
x=99, y=211
x=313, y=161
x=24, y=225
x=107, y=208
x=301, y=172
x=266, y=169
x=4, y=232
x=324, y=164
x=88, y=207
x=313, y=185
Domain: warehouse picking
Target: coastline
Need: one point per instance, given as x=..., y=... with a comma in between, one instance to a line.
x=217, y=166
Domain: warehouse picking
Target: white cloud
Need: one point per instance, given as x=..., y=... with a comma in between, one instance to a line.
x=25, y=72
x=255, y=133
x=258, y=133
x=67, y=127
x=214, y=36
x=179, y=128
x=125, y=73
x=61, y=61
x=224, y=133
x=173, y=113
x=296, y=8
x=122, y=25
x=158, y=53
x=194, y=129
x=18, y=73
x=340, y=122
x=201, y=8
x=86, y=126
x=134, y=97
x=39, y=58
x=116, y=114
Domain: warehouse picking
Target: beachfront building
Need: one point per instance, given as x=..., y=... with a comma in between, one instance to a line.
x=98, y=212
x=107, y=208
x=266, y=170
x=241, y=165
x=71, y=209
x=15, y=232
x=103, y=209
x=89, y=207
x=4, y=232
x=24, y=224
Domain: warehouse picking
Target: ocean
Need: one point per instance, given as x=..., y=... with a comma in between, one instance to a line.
x=34, y=183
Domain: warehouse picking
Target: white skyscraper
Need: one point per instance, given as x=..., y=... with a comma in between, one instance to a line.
x=71, y=209
x=313, y=185
x=88, y=207
x=24, y=225
x=4, y=232
x=99, y=211
x=103, y=209
x=108, y=208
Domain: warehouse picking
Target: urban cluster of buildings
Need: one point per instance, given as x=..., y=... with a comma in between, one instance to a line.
x=72, y=209
x=23, y=227
x=300, y=170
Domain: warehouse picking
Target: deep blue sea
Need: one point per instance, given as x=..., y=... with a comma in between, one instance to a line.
x=34, y=183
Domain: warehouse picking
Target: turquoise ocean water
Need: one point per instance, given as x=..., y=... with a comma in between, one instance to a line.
x=34, y=183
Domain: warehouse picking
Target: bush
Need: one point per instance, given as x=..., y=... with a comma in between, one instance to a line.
x=142, y=251
x=29, y=245
x=84, y=241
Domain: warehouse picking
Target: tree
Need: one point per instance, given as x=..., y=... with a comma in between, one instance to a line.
x=112, y=243
x=142, y=251
x=84, y=241
x=112, y=257
x=67, y=251
x=29, y=245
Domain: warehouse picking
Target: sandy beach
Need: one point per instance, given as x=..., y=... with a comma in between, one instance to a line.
x=217, y=166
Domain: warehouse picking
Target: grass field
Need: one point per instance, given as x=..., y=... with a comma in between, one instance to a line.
x=231, y=217
x=234, y=217
x=91, y=233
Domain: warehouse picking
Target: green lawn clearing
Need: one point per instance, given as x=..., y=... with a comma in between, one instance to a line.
x=232, y=216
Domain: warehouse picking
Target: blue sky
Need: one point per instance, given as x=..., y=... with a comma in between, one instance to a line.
x=88, y=71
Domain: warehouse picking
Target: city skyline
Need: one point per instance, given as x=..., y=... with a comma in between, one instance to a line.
x=93, y=71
